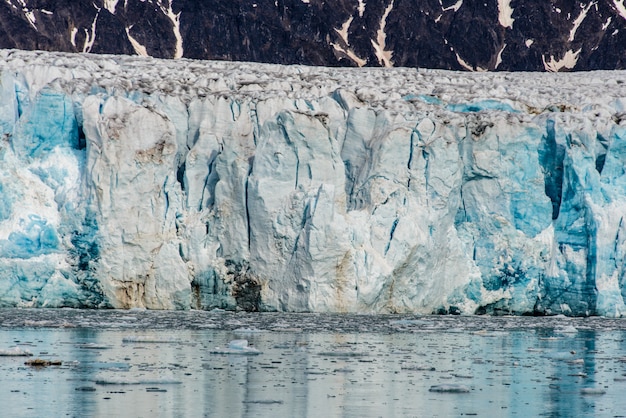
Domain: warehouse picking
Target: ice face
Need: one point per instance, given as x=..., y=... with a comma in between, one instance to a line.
x=137, y=183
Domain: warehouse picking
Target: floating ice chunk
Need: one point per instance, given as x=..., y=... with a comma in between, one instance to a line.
x=450, y=388
x=237, y=347
x=148, y=339
x=122, y=381
x=569, y=329
x=244, y=330
x=342, y=353
x=485, y=333
x=93, y=346
x=463, y=376
x=418, y=368
x=15, y=352
x=238, y=344
x=592, y=391
x=85, y=389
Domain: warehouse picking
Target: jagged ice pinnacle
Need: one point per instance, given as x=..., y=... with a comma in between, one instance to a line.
x=134, y=182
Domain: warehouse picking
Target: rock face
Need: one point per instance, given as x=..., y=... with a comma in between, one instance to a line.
x=476, y=35
x=135, y=182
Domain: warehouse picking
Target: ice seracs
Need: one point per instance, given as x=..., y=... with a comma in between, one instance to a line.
x=137, y=183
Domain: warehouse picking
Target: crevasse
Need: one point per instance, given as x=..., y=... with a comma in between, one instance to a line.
x=128, y=182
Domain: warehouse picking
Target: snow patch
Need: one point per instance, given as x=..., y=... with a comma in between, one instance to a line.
x=90, y=37
x=361, y=7
x=499, y=57
x=383, y=55
x=343, y=32
x=343, y=46
x=505, y=13
x=73, y=33
x=139, y=49
x=466, y=65
x=620, y=7
x=30, y=16
x=579, y=20
x=110, y=5
x=568, y=61
x=455, y=7
x=175, y=19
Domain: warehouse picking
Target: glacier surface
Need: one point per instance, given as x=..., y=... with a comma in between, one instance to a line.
x=131, y=182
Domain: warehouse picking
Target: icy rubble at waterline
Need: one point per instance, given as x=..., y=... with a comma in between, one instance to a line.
x=130, y=182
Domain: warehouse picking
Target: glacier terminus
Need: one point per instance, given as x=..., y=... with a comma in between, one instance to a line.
x=132, y=182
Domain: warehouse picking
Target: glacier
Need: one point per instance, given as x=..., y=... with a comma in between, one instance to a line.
x=130, y=182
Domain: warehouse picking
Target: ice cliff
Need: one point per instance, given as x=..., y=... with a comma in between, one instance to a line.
x=133, y=182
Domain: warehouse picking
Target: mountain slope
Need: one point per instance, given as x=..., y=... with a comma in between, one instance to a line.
x=508, y=35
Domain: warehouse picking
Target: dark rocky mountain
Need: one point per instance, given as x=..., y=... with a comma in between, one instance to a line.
x=507, y=35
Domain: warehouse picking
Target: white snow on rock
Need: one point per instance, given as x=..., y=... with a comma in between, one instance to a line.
x=110, y=5
x=505, y=14
x=384, y=56
x=361, y=7
x=568, y=61
x=577, y=22
x=620, y=7
x=455, y=7
x=132, y=182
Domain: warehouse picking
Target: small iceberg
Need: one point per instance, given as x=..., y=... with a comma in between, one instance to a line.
x=15, y=352
x=592, y=391
x=93, y=346
x=237, y=347
x=449, y=388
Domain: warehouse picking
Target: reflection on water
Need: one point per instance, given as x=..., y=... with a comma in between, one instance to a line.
x=547, y=369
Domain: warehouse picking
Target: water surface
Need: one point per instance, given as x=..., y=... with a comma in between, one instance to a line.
x=174, y=364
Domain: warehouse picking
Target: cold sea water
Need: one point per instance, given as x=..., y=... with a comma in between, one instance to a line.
x=137, y=363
